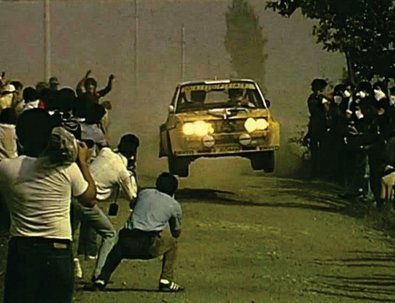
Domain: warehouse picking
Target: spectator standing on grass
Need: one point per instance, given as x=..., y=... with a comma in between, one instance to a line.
x=360, y=138
x=110, y=170
x=39, y=262
x=318, y=106
x=146, y=233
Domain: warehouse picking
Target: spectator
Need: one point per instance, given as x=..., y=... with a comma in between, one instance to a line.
x=8, y=150
x=146, y=234
x=8, y=145
x=30, y=97
x=110, y=172
x=39, y=263
x=318, y=106
x=89, y=96
x=53, y=84
x=7, y=96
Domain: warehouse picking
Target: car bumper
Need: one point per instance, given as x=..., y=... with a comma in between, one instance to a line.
x=236, y=144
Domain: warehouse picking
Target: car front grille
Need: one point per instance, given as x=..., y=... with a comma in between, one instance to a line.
x=228, y=126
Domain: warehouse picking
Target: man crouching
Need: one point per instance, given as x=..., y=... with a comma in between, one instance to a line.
x=145, y=235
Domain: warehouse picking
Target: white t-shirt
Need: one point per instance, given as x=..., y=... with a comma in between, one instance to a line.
x=109, y=170
x=38, y=198
x=8, y=148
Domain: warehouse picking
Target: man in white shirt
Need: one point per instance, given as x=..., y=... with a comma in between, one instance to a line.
x=110, y=172
x=8, y=150
x=39, y=262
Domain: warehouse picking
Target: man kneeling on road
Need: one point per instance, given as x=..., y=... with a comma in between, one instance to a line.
x=145, y=235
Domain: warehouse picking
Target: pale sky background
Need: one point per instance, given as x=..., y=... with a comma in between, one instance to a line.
x=98, y=35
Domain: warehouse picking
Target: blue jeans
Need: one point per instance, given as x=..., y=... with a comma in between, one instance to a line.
x=95, y=218
x=39, y=270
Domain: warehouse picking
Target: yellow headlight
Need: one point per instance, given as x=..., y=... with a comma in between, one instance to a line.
x=262, y=124
x=198, y=128
x=201, y=128
x=250, y=125
x=188, y=129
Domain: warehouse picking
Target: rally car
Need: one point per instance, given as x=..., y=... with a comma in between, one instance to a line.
x=217, y=119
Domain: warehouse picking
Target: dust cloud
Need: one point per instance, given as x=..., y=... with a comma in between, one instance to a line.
x=99, y=35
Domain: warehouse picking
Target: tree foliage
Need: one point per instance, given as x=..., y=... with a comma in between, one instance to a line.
x=363, y=30
x=244, y=41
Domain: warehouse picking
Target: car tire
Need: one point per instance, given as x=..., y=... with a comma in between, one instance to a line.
x=179, y=166
x=263, y=161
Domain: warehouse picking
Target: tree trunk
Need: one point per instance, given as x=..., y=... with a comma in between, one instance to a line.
x=350, y=68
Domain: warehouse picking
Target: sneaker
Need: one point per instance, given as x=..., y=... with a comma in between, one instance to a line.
x=96, y=285
x=77, y=268
x=91, y=257
x=169, y=286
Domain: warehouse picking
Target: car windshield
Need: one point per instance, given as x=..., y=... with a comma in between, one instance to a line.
x=218, y=95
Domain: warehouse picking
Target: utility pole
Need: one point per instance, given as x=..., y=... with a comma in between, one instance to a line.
x=136, y=40
x=182, y=52
x=47, y=40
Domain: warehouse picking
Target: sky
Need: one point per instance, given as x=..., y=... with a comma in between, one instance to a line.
x=99, y=35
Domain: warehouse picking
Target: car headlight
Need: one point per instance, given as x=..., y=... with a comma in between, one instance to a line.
x=198, y=128
x=188, y=129
x=250, y=125
x=262, y=124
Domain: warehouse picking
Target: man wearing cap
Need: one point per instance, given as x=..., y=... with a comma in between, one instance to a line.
x=7, y=96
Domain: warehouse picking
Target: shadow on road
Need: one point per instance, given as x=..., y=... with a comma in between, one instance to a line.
x=307, y=196
x=375, y=287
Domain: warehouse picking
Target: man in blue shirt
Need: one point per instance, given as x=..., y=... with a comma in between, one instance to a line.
x=146, y=236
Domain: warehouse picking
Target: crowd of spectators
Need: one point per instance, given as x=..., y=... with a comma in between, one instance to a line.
x=351, y=136
x=56, y=163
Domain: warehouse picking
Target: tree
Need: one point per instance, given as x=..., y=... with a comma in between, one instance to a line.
x=363, y=30
x=244, y=41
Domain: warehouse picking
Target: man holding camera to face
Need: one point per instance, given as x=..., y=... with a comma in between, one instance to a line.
x=110, y=171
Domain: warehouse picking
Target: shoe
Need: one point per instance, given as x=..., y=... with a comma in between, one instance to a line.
x=91, y=257
x=169, y=286
x=96, y=285
x=77, y=268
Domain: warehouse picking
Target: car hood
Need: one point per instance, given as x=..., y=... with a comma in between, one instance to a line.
x=224, y=113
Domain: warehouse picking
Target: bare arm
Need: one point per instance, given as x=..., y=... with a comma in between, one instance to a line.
x=175, y=232
x=79, y=88
x=88, y=198
x=108, y=88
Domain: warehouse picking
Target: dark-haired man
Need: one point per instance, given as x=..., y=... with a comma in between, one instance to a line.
x=318, y=106
x=39, y=263
x=146, y=234
x=110, y=170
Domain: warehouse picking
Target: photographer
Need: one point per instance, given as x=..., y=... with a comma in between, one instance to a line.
x=110, y=172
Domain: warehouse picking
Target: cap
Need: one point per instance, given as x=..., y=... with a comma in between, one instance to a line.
x=8, y=89
x=53, y=80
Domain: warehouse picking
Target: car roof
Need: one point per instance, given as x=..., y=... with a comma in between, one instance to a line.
x=222, y=81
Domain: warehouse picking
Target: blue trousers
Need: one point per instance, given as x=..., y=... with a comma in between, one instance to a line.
x=39, y=270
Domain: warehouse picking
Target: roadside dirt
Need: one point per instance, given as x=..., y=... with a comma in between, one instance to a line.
x=258, y=238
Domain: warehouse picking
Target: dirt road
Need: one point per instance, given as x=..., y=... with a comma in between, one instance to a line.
x=262, y=239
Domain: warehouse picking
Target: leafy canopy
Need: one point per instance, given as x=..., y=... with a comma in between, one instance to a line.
x=364, y=30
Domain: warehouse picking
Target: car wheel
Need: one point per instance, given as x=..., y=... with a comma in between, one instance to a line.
x=179, y=166
x=263, y=161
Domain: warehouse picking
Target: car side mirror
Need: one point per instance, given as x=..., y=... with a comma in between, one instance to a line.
x=267, y=103
x=171, y=108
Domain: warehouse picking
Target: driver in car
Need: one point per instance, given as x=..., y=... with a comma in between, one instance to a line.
x=237, y=98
